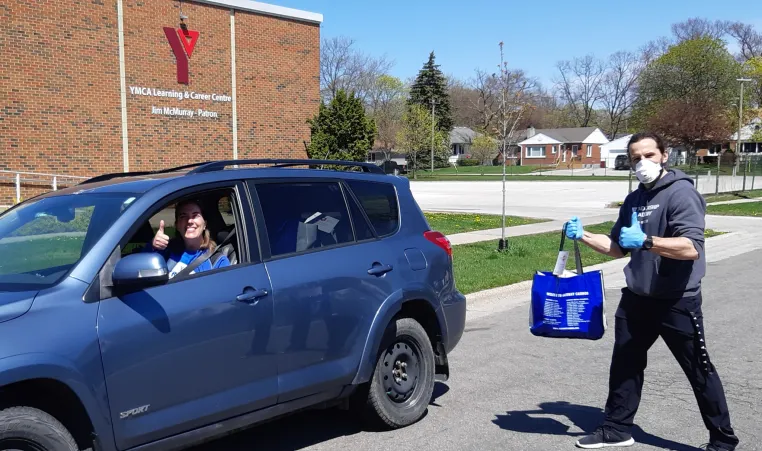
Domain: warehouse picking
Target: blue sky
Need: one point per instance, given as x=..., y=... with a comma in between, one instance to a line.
x=465, y=35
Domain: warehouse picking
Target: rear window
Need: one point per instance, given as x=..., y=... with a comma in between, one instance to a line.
x=379, y=200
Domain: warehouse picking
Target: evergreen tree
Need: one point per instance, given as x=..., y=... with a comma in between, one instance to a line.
x=431, y=84
x=341, y=130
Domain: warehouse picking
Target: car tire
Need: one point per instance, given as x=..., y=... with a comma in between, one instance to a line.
x=403, y=381
x=29, y=429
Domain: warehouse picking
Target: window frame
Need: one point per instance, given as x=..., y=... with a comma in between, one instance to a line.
x=101, y=289
x=259, y=216
x=378, y=236
x=544, y=151
x=589, y=150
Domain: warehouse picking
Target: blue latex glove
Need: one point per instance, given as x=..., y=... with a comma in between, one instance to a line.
x=574, y=229
x=632, y=237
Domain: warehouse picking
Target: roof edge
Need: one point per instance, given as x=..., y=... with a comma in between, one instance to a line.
x=268, y=9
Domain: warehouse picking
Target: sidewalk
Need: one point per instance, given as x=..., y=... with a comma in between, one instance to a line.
x=743, y=235
x=527, y=229
x=737, y=201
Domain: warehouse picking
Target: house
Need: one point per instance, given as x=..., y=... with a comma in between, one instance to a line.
x=461, y=139
x=610, y=150
x=580, y=147
x=747, y=132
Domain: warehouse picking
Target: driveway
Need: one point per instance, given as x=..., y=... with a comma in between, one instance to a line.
x=510, y=390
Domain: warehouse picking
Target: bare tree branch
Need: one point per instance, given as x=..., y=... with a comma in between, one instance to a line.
x=580, y=86
x=344, y=67
x=748, y=39
x=618, y=89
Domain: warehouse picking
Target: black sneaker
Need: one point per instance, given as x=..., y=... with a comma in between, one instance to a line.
x=605, y=437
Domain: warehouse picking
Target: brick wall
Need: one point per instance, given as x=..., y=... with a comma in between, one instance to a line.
x=550, y=158
x=59, y=73
x=52, y=55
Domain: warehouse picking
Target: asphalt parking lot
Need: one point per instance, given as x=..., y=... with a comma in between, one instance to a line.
x=512, y=391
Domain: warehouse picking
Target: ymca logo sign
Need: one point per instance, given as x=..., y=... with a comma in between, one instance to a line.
x=182, y=42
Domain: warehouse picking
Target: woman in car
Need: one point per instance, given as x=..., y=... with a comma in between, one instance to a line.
x=192, y=241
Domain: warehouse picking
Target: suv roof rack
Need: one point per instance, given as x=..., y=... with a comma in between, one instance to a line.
x=219, y=165
x=114, y=175
x=209, y=166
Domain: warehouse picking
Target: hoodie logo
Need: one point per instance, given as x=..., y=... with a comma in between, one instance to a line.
x=644, y=211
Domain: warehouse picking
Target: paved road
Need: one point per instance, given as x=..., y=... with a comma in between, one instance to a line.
x=513, y=391
x=553, y=200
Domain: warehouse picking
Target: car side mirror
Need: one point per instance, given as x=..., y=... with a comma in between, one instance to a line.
x=140, y=270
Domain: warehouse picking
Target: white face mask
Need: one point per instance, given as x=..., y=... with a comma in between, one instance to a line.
x=647, y=171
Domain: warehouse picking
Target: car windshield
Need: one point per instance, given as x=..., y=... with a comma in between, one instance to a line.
x=41, y=240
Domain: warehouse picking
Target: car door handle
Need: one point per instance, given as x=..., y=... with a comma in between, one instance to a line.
x=250, y=294
x=379, y=269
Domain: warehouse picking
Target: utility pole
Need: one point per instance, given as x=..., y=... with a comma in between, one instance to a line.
x=740, y=123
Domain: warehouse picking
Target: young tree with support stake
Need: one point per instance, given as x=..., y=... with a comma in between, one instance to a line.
x=513, y=100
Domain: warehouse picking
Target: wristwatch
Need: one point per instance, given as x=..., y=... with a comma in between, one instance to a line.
x=648, y=243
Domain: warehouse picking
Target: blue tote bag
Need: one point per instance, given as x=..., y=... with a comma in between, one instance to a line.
x=570, y=306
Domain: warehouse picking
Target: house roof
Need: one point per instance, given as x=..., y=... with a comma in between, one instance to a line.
x=462, y=135
x=619, y=143
x=567, y=135
x=748, y=130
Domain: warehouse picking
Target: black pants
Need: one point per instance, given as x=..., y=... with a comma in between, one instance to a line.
x=639, y=322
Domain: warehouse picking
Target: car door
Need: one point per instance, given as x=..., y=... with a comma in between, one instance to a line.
x=328, y=281
x=189, y=353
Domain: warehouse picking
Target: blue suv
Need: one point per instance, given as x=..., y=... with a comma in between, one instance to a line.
x=157, y=310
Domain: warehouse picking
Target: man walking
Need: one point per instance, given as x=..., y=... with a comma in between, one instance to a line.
x=661, y=224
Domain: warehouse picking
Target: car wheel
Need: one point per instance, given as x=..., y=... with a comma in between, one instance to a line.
x=403, y=381
x=28, y=429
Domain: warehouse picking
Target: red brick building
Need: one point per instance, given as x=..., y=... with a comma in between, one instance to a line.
x=127, y=85
x=566, y=147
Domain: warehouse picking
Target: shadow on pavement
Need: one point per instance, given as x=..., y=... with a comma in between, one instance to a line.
x=584, y=417
x=313, y=426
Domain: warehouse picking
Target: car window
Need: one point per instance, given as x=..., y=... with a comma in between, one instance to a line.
x=41, y=240
x=379, y=200
x=362, y=229
x=207, y=219
x=302, y=216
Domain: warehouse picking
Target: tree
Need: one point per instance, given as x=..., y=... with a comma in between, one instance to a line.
x=581, y=87
x=513, y=102
x=618, y=89
x=748, y=39
x=697, y=73
x=484, y=148
x=342, y=66
x=341, y=130
x=387, y=106
x=753, y=70
x=696, y=28
x=415, y=138
x=687, y=122
x=431, y=85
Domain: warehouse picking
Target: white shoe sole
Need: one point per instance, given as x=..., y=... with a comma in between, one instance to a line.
x=629, y=442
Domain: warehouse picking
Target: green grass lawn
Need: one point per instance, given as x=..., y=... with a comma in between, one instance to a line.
x=485, y=170
x=451, y=223
x=757, y=193
x=479, y=266
x=745, y=209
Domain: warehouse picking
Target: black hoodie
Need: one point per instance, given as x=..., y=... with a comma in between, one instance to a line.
x=671, y=208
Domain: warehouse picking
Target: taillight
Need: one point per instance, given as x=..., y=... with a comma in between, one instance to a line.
x=440, y=240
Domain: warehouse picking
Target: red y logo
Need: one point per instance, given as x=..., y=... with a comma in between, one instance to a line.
x=181, y=41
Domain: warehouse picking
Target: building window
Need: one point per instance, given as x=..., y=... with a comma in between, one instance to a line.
x=553, y=150
x=536, y=152
x=575, y=148
x=589, y=150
